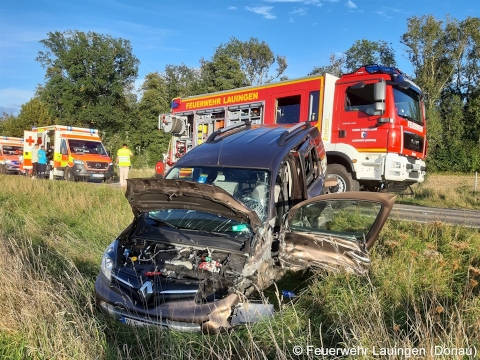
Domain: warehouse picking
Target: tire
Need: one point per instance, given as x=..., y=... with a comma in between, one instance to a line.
x=344, y=178
x=68, y=174
x=3, y=169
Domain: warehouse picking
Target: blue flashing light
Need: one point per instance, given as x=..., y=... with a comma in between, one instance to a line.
x=34, y=127
x=4, y=138
x=92, y=131
x=69, y=128
x=175, y=103
x=397, y=75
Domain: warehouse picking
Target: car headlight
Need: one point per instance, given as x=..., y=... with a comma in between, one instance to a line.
x=8, y=161
x=110, y=164
x=78, y=162
x=108, y=260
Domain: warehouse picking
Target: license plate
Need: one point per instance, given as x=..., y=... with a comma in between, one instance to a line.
x=97, y=175
x=133, y=322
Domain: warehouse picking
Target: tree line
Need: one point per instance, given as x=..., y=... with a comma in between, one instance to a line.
x=90, y=77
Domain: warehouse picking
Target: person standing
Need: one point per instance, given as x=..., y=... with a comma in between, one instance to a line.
x=34, y=160
x=123, y=161
x=42, y=162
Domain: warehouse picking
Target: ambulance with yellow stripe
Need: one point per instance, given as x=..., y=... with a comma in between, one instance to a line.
x=11, y=150
x=372, y=123
x=78, y=153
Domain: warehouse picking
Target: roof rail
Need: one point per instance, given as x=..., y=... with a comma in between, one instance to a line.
x=287, y=134
x=247, y=124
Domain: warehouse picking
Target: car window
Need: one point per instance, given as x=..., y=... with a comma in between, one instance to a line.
x=249, y=186
x=351, y=219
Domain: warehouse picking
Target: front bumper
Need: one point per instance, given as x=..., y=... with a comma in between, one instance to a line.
x=13, y=167
x=404, y=169
x=182, y=315
x=80, y=172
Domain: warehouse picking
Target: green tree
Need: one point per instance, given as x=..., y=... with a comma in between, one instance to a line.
x=181, y=81
x=446, y=61
x=32, y=113
x=365, y=52
x=148, y=142
x=5, y=123
x=255, y=58
x=87, y=77
x=221, y=73
x=362, y=52
x=335, y=67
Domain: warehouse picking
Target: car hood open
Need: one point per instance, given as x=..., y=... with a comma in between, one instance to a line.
x=152, y=194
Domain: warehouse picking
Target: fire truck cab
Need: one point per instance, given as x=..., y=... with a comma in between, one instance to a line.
x=11, y=149
x=78, y=153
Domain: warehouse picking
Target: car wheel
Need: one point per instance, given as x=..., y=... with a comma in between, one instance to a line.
x=344, y=179
x=68, y=174
x=2, y=169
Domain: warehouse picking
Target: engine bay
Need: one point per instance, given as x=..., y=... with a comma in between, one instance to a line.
x=155, y=272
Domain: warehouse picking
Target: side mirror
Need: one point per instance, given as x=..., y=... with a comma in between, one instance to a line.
x=379, y=95
x=379, y=91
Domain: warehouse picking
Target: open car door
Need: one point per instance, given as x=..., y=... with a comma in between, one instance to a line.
x=334, y=231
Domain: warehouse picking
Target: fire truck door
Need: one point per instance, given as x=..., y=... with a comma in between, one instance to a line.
x=357, y=124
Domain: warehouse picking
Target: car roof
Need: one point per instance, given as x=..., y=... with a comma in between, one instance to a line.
x=262, y=146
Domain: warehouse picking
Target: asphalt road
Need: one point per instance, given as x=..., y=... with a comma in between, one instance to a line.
x=469, y=218
x=422, y=214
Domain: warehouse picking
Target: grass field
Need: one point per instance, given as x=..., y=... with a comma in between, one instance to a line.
x=422, y=293
x=446, y=191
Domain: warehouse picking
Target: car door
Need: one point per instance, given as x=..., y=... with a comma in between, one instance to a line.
x=334, y=231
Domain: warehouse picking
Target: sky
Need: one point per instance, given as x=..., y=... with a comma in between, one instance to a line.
x=165, y=32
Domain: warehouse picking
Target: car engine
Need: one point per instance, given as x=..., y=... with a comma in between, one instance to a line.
x=156, y=272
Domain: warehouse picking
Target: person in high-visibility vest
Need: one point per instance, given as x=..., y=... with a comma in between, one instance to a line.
x=123, y=161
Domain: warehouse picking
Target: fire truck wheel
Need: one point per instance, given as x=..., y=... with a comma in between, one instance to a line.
x=344, y=178
x=68, y=174
x=2, y=169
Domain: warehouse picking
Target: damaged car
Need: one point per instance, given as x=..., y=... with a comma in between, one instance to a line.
x=222, y=227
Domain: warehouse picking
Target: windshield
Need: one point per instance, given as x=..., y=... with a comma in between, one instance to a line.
x=407, y=104
x=249, y=186
x=86, y=147
x=12, y=150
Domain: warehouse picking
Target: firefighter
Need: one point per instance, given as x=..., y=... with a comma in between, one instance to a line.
x=123, y=161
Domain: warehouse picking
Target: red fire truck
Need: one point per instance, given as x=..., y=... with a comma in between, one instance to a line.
x=372, y=122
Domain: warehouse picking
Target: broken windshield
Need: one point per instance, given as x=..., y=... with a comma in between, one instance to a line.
x=249, y=186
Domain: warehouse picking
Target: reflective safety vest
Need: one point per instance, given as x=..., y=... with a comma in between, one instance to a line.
x=124, y=157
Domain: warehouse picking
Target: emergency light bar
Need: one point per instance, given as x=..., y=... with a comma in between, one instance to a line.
x=12, y=139
x=65, y=128
x=396, y=74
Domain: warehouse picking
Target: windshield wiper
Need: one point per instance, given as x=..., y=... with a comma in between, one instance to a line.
x=179, y=230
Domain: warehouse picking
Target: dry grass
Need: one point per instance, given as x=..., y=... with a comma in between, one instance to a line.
x=446, y=191
x=41, y=317
x=422, y=291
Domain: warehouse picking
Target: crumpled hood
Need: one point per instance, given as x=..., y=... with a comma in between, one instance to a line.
x=152, y=194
